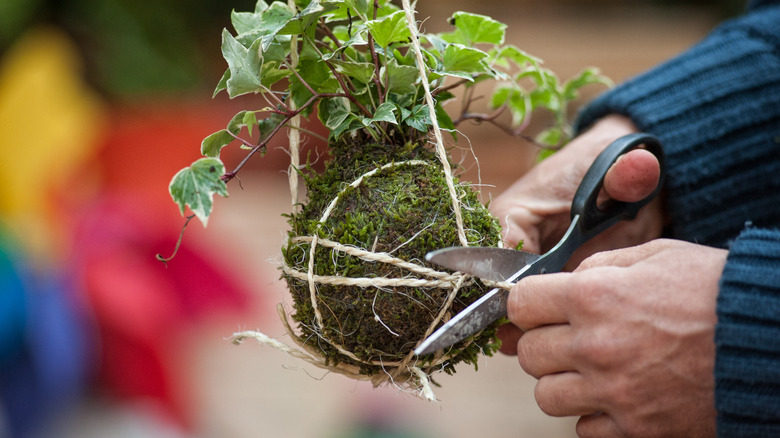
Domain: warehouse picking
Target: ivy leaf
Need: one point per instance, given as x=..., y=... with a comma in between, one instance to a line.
x=390, y=29
x=314, y=73
x=477, y=28
x=360, y=71
x=546, y=98
x=260, y=6
x=445, y=121
x=586, y=77
x=334, y=111
x=356, y=39
x=349, y=124
x=360, y=6
x=438, y=43
x=519, y=57
x=222, y=84
x=244, y=22
x=418, y=118
x=399, y=78
x=244, y=66
x=213, y=144
x=249, y=120
x=501, y=95
x=267, y=125
x=195, y=186
x=383, y=113
x=302, y=22
x=541, y=76
x=514, y=98
x=462, y=61
x=264, y=25
x=552, y=137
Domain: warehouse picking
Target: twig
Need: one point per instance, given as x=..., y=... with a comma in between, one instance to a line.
x=165, y=260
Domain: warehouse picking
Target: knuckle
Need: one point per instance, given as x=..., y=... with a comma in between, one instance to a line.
x=527, y=355
x=589, y=292
x=519, y=302
x=548, y=400
x=595, y=347
x=514, y=304
x=602, y=258
x=589, y=427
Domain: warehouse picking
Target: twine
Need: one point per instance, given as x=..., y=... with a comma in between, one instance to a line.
x=404, y=374
x=294, y=133
x=440, y=151
x=378, y=282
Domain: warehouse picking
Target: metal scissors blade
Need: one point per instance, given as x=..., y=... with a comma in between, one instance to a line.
x=496, y=264
x=588, y=220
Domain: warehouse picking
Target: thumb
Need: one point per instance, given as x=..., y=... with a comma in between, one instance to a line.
x=633, y=176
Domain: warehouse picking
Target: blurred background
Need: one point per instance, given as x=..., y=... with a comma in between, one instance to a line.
x=101, y=102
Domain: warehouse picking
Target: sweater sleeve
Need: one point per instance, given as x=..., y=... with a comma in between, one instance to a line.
x=716, y=109
x=747, y=364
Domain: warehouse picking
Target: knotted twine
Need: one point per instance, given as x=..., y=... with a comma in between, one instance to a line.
x=404, y=374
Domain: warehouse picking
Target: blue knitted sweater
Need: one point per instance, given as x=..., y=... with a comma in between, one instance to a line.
x=716, y=109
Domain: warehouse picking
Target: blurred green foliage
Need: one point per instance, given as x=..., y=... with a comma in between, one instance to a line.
x=150, y=46
x=133, y=47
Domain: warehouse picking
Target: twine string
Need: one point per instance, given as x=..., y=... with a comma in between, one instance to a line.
x=420, y=276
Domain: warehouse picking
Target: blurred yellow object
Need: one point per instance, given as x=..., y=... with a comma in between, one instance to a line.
x=49, y=123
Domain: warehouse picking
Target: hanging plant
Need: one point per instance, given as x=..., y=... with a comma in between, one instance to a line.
x=354, y=257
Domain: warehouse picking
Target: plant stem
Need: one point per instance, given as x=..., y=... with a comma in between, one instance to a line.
x=375, y=59
x=449, y=87
x=287, y=117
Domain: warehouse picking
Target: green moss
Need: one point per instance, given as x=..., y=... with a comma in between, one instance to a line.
x=404, y=210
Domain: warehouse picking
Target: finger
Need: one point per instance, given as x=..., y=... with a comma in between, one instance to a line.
x=509, y=335
x=538, y=300
x=597, y=425
x=623, y=257
x=546, y=350
x=648, y=225
x=633, y=177
x=565, y=394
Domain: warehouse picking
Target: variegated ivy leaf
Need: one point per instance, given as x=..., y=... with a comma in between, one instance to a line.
x=362, y=72
x=334, y=111
x=390, y=29
x=586, y=77
x=195, y=186
x=476, y=28
x=464, y=62
x=244, y=65
x=383, y=113
x=400, y=79
x=418, y=118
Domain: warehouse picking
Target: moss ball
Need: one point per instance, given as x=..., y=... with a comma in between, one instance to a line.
x=401, y=206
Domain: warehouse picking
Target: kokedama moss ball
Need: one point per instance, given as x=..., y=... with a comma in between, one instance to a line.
x=379, y=199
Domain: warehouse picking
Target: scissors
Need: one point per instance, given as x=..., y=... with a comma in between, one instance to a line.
x=508, y=265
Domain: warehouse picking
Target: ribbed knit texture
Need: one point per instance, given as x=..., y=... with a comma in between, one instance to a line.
x=716, y=109
x=748, y=338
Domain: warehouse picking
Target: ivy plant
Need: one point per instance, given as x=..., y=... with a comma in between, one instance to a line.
x=349, y=64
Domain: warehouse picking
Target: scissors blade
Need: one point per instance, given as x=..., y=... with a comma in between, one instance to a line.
x=474, y=318
x=496, y=264
x=492, y=306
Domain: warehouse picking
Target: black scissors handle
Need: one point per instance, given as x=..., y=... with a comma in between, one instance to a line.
x=589, y=219
x=594, y=218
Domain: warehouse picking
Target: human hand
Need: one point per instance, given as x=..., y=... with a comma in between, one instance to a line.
x=626, y=340
x=536, y=209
